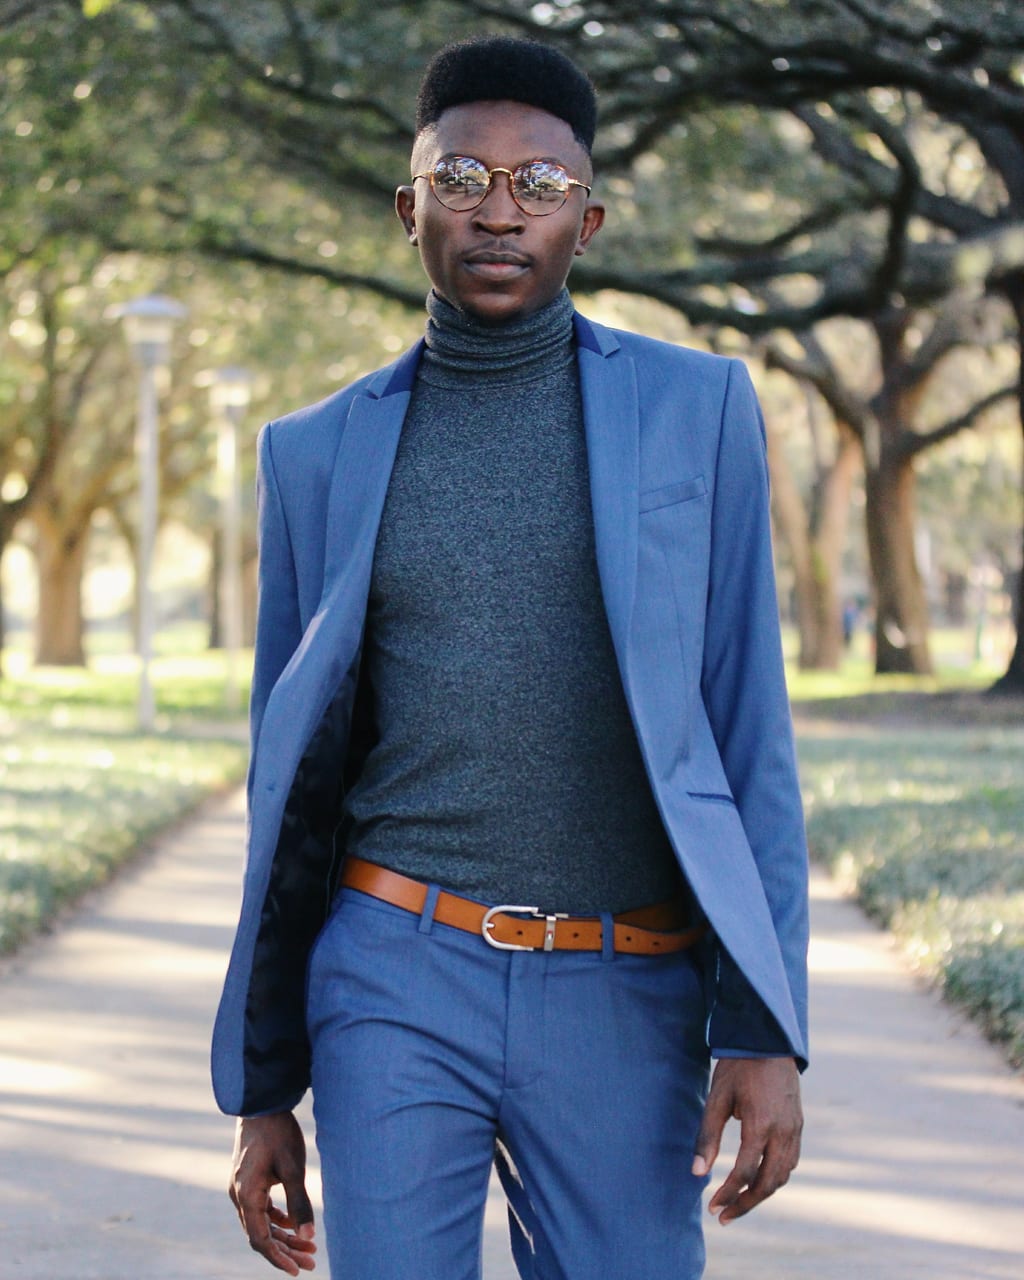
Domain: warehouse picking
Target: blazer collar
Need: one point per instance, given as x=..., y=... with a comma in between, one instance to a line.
x=398, y=377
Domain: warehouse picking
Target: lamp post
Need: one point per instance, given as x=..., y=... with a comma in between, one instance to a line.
x=148, y=325
x=230, y=392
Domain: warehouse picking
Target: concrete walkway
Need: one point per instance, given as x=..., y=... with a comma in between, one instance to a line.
x=114, y=1160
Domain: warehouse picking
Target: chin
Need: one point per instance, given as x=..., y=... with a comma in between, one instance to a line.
x=497, y=310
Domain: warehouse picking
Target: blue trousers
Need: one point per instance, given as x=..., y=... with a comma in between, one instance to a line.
x=582, y=1074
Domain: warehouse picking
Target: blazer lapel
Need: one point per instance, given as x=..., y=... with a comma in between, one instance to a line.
x=362, y=470
x=325, y=657
x=611, y=420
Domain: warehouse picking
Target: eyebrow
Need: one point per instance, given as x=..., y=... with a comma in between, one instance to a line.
x=469, y=155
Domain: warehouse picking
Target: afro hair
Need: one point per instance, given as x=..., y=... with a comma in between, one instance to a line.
x=489, y=68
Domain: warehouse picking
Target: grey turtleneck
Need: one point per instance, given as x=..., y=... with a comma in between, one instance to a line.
x=504, y=765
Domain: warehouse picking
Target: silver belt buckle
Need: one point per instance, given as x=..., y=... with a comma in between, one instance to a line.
x=549, y=927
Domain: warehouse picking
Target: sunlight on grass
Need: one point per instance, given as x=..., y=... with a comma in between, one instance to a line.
x=925, y=823
x=956, y=668
x=81, y=788
x=927, y=826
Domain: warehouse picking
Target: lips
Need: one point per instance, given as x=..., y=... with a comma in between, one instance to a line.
x=496, y=258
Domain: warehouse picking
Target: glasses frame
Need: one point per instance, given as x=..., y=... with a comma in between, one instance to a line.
x=511, y=174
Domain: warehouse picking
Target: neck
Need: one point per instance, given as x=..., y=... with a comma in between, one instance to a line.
x=459, y=346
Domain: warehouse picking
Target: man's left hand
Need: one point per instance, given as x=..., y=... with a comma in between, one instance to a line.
x=763, y=1094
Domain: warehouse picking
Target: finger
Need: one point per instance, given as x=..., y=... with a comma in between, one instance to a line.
x=256, y=1213
x=294, y=1238
x=750, y=1184
x=743, y=1174
x=293, y=1252
x=295, y=1246
x=758, y=1191
x=282, y=1255
x=285, y=1231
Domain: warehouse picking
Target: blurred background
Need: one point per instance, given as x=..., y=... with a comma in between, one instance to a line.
x=196, y=234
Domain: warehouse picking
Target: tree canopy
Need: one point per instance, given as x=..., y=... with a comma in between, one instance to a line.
x=769, y=165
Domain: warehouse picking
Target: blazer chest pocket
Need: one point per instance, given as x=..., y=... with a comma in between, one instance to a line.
x=671, y=495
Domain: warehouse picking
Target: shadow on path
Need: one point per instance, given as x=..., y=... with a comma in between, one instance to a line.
x=115, y=1159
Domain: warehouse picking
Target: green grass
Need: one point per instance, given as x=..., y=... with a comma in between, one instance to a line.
x=926, y=823
x=956, y=668
x=914, y=799
x=81, y=788
x=913, y=793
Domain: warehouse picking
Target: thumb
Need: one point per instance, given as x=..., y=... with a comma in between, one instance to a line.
x=300, y=1208
x=709, y=1138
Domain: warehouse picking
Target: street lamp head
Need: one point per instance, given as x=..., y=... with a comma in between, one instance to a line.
x=148, y=325
x=230, y=388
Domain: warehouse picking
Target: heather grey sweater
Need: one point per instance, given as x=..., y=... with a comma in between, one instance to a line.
x=504, y=764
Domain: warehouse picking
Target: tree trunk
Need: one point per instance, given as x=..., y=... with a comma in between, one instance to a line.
x=249, y=593
x=901, y=608
x=791, y=522
x=829, y=541
x=1012, y=680
x=816, y=553
x=8, y=523
x=59, y=621
x=3, y=625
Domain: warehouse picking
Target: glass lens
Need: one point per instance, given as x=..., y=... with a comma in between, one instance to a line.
x=541, y=186
x=460, y=182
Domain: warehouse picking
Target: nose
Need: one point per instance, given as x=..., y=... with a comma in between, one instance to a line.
x=498, y=212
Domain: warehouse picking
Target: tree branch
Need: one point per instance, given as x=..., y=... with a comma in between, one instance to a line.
x=901, y=203
x=818, y=371
x=914, y=442
x=823, y=218
x=240, y=250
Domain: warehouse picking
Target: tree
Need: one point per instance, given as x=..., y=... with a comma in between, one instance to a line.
x=886, y=421
x=35, y=426
x=857, y=239
x=812, y=521
x=307, y=91
x=94, y=469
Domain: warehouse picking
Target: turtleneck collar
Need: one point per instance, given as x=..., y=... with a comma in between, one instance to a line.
x=459, y=347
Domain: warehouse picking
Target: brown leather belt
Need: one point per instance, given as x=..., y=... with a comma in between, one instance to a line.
x=648, y=931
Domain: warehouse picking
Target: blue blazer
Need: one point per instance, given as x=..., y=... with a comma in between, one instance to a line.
x=679, y=489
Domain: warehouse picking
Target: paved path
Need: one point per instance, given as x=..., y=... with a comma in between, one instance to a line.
x=113, y=1160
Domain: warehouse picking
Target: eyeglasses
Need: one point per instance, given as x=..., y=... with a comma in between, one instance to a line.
x=538, y=187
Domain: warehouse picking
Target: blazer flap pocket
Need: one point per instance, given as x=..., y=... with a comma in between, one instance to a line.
x=670, y=494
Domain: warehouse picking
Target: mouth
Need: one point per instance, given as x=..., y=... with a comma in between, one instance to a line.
x=496, y=263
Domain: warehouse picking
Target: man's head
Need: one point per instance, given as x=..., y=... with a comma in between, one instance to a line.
x=497, y=237
x=502, y=67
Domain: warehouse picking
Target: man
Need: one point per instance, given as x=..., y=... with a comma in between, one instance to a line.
x=520, y=734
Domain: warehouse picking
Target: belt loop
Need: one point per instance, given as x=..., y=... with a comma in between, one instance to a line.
x=429, y=907
x=607, y=936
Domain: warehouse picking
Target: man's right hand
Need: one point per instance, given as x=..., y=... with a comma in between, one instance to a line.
x=271, y=1150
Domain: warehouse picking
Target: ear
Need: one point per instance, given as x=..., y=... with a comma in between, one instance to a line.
x=405, y=207
x=593, y=217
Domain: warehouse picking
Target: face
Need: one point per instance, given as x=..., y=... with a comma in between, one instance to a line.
x=495, y=261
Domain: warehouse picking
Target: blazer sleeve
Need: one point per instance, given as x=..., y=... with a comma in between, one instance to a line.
x=743, y=680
